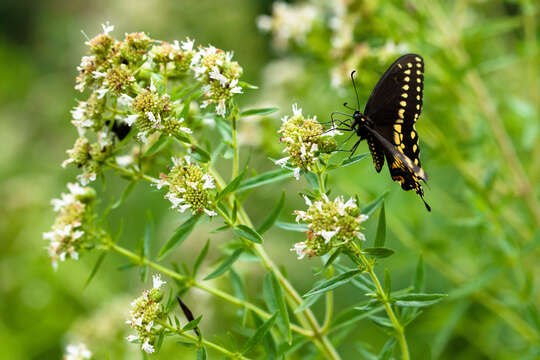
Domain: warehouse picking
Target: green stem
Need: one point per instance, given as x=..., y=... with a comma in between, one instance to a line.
x=221, y=349
x=383, y=296
x=236, y=157
x=194, y=283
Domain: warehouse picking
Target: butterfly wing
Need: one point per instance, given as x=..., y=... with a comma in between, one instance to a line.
x=377, y=152
x=393, y=107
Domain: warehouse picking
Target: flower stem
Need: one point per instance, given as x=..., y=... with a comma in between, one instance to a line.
x=221, y=349
x=194, y=283
x=383, y=296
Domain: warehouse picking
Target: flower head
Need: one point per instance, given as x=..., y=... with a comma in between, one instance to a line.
x=330, y=224
x=219, y=75
x=71, y=231
x=143, y=316
x=190, y=187
x=304, y=139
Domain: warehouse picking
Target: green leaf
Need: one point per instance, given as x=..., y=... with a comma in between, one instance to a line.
x=272, y=217
x=265, y=178
x=185, y=110
x=386, y=351
x=333, y=282
x=306, y=304
x=201, y=353
x=200, y=154
x=180, y=234
x=419, y=276
x=381, y=229
x=248, y=233
x=232, y=186
x=282, y=307
x=372, y=206
x=201, y=257
x=192, y=324
x=95, y=269
x=312, y=180
x=157, y=146
x=247, y=85
x=292, y=226
x=259, y=334
x=378, y=252
x=417, y=300
x=260, y=112
x=267, y=341
x=348, y=161
x=446, y=331
x=125, y=194
x=225, y=265
x=332, y=258
x=387, y=282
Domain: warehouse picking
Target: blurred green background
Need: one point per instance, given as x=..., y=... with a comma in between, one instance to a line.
x=478, y=133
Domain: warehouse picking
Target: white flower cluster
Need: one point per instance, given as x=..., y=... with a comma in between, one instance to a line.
x=219, y=76
x=145, y=310
x=289, y=22
x=67, y=235
x=77, y=352
x=190, y=187
x=304, y=140
x=330, y=224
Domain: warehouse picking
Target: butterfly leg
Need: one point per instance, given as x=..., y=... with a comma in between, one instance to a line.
x=353, y=150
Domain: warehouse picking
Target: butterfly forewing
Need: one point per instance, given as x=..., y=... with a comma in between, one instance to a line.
x=393, y=107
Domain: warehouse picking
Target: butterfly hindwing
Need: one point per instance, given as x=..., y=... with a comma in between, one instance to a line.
x=377, y=152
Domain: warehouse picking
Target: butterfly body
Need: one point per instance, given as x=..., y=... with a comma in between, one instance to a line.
x=388, y=122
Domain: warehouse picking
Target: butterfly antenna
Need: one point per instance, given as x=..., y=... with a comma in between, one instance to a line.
x=355, y=91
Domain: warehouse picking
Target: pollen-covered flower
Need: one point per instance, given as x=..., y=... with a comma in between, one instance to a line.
x=305, y=139
x=219, y=75
x=190, y=187
x=132, y=50
x=70, y=234
x=330, y=224
x=77, y=352
x=145, y=311
x=173, y=58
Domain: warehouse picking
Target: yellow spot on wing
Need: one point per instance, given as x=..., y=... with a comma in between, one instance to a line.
x=407, y=79
x=418, y=80
x=401, y=112
x=418, y=97
x=409, y=65
x=396, y=138
x=417, y=59
x=405, y=95
x=418, y=89
x=413, y=134
x=403, y=103
x=408, y=71
x=397, y=128
x=405, y=87
x=418, y=72
x=399, y=121
x=416, y=161
x=417, y=106
x=414, y=147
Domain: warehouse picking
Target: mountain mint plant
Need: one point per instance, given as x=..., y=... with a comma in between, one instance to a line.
x=146, y=105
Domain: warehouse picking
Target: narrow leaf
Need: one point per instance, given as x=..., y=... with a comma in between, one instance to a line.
x=333, y=282
x=193, y=325
x=225, y=265
x=200, y=154
x=417, y=300
x=380, y=238
x=157, y=146
x=265, y=178
x=248, y=233
x=282, y=307
x=312, y=180
x=332, y=258
x=201, y=353
x=292, y=226
x=386, y=351
x=306, y=304
x=125, y=194
x=272, y=217
x=180, y=234
x=201, y=257
x=379, y=252
x=95, y=269
x=232, y=186
x=259, y=334
x=372, y=206
x=260, y=112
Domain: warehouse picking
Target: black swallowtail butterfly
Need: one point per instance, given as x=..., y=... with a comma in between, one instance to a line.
x=388, y=120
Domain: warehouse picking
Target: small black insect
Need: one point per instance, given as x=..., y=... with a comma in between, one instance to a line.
x=388, y=120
